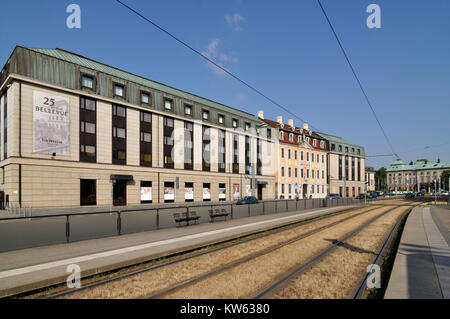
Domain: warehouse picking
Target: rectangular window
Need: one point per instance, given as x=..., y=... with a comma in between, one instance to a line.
x=168, y=142
x=146, y=192
x=353, y=168
x=295, y=172
x=188, y=145
x=221, y=119
x=206, y=147
x=282, y=171
x=168, y=104
x=301, y=155
x=289, y=154
x=247, y=155
x=259, y=157
x=169, y=192
x=247, y=126
x=340, y=167
x=206, y=192
x=119, y=135
x=87, y=81
x=88, y=130
x=359, y=169
x=222, y=192
x=146, y=139
x=188, y=192
x=222, y=144
x=235, y=123
x=119, y=90
x=282, y=152
x=205, y=115
x=145, y=98
x=289, y=172
x=187, y=109
x=235, y=154
x=88, y=192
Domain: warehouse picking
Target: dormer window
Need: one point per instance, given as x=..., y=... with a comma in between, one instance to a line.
x=247, y=126
x=168, y=104
x=281, y=135
x=87, y=81
x=205, y=115
x=291, y=137
x=300, y=139
x=119, y=90
x=314, y=142
x=145, y=97
x=221, y=119
x=235, y=123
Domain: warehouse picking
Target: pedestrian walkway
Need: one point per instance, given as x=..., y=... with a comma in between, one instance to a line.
x=422, y=264
x=34, y=268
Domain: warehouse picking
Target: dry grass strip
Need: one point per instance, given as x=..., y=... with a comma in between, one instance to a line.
x=158, y=279
x=337, y=274
x=243, y=280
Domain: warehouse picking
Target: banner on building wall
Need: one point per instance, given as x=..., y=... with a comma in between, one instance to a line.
x=206, y=193
x=236, y=194
x=146, y=193
x=169, y=193
x=189, y=193
x=51, y=123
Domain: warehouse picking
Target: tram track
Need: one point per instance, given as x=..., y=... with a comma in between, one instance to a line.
x=286, y=228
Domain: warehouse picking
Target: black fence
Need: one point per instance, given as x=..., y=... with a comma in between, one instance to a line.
x=32, y=231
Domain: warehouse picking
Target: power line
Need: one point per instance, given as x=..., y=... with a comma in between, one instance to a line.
x=214, y=63
x=357, y=79
x=412, y=150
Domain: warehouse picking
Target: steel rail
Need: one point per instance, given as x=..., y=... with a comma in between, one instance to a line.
x=232, y=242
x=285, y=280
x=242, y=260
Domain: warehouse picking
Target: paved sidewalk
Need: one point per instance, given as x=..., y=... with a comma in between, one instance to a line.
x=422, y=264
x=33, y=268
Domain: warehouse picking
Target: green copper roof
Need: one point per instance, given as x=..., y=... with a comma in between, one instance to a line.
x=399, y=165
x=332, y=139
x=97, y=66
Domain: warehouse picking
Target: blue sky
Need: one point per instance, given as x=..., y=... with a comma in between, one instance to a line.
x=283, y=48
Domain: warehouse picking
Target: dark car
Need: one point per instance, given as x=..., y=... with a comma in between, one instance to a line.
x=361, y=196
x=332, y=196
x=372, y=195
x=419, y=194
x=409, y=195
x=248, y=200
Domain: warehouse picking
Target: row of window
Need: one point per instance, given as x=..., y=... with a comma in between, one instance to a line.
x=88, y=81
x=333, y=148
x=88, y=192
x=342, y=170
x=301, y=138
x=301, y=155
x=317, y=174
x=88, y=140
x=292, y=187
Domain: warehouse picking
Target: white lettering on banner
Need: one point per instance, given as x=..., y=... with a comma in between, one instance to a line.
x=51, y=120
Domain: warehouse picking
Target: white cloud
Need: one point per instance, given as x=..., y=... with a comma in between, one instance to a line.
x=220, y=58
x=235, y=21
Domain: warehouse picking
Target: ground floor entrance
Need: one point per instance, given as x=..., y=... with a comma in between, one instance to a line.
x=119, y=193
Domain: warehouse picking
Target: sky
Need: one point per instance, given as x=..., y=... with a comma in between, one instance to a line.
x=283, y=48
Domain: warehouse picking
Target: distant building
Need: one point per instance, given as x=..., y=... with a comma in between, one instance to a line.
x=299, y=160
x=346, y=166
x=414, y=176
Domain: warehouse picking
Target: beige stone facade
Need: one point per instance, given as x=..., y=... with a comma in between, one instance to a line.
x=43, y=180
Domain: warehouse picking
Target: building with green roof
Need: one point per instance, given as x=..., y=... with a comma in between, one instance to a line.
x=346, y=166
x=75, y=131
x=422, y=174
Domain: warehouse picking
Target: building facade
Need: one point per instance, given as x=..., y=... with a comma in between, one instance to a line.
x=300, y=161
x=74, y=132
x=346, y=166
x=421, y=175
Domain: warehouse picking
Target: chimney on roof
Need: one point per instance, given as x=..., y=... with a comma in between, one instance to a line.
x=305, y=126
x=261, y=115
x=291, y=122
x=280, y=119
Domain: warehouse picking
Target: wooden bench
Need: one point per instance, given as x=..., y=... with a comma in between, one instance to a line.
x=217, y=213
x=184, y=217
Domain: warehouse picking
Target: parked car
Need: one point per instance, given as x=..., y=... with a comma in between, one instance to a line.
x=446, y=193
x=361, y=196
x=332, y=196
x=248, y=200
x=419, y=194
x=372, y=195
x=409, y=195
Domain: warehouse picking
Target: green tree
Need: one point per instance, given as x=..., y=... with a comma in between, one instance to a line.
x=445, y=176
x=380, y=178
